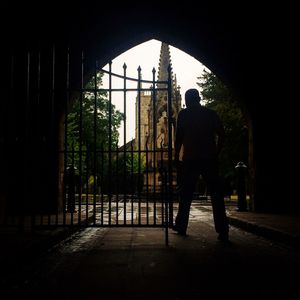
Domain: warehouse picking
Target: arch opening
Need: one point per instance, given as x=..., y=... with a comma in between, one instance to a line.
x=138, y=135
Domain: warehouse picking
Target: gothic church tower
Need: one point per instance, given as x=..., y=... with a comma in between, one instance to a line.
x=158, y=111
x=153, y=109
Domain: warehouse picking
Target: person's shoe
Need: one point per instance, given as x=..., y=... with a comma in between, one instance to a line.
x=182, y=233
x=179, y=231
x=223, y=237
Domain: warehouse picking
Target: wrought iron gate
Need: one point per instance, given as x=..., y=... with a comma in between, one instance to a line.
x=111, y=185
x=103, y=180
x=128, y=185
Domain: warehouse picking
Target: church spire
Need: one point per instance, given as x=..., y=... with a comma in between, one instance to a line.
x=164, y=62
x=163, y=73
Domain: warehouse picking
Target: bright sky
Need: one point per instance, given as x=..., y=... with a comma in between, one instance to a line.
x=146, y=55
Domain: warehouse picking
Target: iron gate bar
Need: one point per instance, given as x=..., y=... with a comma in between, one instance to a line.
x=132, y=191
x=102, y=194
x=80, y=136
x=117, y=185
x=139, y=143
x=53, y=89
x=147, y=183
x=169, y=203
x=12, y=107
x=121, y=89
x=125, y=154
x=154, y=139
x=38, y=120
x=170, y=179
x=109, y=141
x=95, y=144
x=66, y=136
x=26, y=137
x=134, y=79
x=161, y=171
x=97, y=225
x=52, y=114
x=71, y=183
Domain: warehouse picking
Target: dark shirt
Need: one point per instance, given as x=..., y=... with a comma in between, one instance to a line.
x=197, y=130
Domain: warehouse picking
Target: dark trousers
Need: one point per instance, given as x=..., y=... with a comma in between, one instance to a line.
x=189, y=173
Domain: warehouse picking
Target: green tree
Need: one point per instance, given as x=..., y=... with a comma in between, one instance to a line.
x=92, y=120
x=91, y=130
x=219, y=97
x=93, y=114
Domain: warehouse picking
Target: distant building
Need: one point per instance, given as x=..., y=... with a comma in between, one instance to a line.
x=155, y=138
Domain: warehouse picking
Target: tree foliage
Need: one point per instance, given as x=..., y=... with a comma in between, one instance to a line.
x=92, y=142
x=217, y=96
x=89, y=125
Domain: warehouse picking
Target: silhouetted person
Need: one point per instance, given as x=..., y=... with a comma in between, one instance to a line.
x=201, y=133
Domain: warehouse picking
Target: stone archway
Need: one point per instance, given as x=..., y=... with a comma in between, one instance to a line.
x=229, y=42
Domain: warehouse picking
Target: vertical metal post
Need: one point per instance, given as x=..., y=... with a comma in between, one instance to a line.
x=26, y=145
x=87, y=197
x=37, y=124
x=154, y=143
x=80, y=139
x=95, y=145
x=169, y=202
x=125, y=150
x=163, y=185
x=71, y=187
x=66, y=136
x=109, y=143
x=117, y=185
x=132, y=181
x=11, y=106
x=139, y=146
x=102, y=183
x=147, y=183
x=38, y=118
x=52, y=120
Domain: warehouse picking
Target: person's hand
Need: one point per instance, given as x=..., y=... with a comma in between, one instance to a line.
x=177, y=162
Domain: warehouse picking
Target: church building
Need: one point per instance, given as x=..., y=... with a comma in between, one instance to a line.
x=151, y=139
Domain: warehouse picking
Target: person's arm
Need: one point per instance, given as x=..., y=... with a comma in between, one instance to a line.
x=178, y=137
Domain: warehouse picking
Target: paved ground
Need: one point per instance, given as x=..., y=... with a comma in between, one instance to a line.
x=134, y=263
x=283, y=228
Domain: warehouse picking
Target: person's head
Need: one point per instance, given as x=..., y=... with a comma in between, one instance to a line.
x=192, y=97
